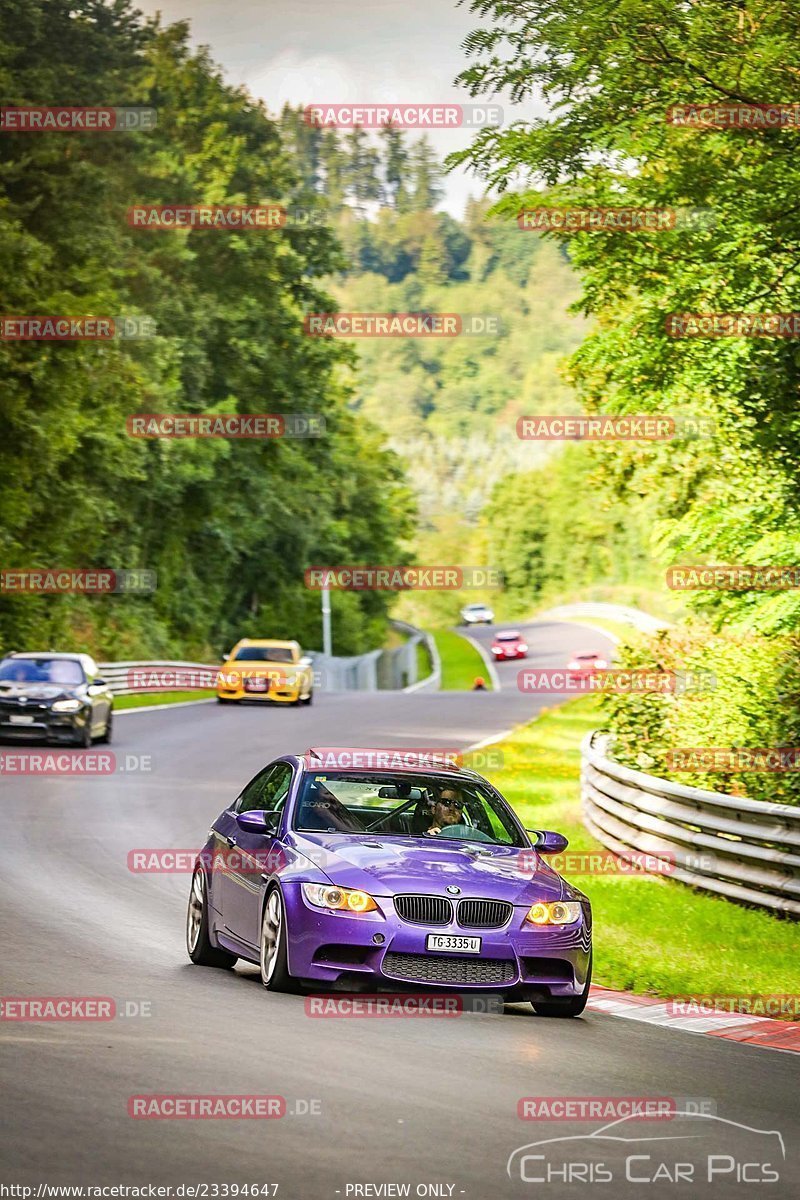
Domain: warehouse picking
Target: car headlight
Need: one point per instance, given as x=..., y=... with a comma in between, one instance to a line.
x=66, y=706
x=324, y=896
x=561, y=912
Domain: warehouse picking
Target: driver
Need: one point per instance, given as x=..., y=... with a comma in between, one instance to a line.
x=447, y=808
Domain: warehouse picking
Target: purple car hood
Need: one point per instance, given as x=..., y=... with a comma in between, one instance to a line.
x=387, y=866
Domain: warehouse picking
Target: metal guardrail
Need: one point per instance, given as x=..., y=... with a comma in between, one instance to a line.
x=394, y=669
x=130, y=678
x=743, y=849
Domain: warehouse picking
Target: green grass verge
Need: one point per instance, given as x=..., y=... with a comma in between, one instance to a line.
x=461, y=662
x=651, y=934
x=143, y=699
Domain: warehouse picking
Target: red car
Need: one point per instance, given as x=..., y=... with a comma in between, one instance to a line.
x=509, y=645
x=581, y=666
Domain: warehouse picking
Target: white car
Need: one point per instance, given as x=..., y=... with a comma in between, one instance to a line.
x=477, y=614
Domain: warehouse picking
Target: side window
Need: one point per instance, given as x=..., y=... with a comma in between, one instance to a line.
x=277, y=788
x=268, y=788
x=252, y=795
x=280, y=785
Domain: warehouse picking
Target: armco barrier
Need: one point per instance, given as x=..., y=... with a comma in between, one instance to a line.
x=746, y=850
x=390, y=669
x=120, y=674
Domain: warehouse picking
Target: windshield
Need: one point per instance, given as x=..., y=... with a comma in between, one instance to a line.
x=407, y=805
x=41, y=670
x=508, y=637
x=277, y=654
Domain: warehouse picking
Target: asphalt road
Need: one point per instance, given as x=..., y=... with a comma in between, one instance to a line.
x=424, y=1102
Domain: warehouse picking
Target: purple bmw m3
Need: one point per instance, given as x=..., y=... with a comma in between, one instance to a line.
x=373, y=869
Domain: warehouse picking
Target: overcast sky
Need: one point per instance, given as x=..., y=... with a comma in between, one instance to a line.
x=365, y=51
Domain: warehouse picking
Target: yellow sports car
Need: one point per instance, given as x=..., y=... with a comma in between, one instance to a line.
x=263, y=669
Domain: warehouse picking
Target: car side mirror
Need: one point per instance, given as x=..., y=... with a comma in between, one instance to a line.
x=547, y=841
x=100, y=683
x=258, y=820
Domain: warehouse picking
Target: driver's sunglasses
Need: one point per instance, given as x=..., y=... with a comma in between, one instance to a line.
x=459, y=804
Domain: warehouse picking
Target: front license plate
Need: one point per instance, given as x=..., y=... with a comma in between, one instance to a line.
x=19, y=720
x=451, y=941
x=256, y=685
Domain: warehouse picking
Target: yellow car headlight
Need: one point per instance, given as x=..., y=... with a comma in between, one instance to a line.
x=66, y=706
x=327, y=896
x=561, y=912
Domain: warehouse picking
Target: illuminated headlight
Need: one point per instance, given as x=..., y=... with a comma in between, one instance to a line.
x=562, y=912
x=67, y=706
x=323, y=896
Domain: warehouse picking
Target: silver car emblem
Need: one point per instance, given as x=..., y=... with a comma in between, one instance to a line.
x=453, y=890
x=23, y=699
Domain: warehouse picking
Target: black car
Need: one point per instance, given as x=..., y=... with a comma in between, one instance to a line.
x=60, y=697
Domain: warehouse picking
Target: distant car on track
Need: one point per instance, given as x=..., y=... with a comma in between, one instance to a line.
x=509, y=644
x=583, y=666
x=476, y=614
x=266, y=669
x=56, y=697
x=327, y=871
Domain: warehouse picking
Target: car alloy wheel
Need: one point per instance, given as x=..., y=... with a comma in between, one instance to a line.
x=198, y=943
x=271, y=928
x=272, y=945
x=194, y=915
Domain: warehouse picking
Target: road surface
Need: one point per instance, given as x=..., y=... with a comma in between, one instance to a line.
x=427, y=1103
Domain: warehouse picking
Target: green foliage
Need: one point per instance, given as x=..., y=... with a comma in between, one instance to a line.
x=610, y=78
x=751, y=702
x=559, y=529
x=227, y=526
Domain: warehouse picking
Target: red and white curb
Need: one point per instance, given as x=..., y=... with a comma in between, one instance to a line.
x=734, y=1027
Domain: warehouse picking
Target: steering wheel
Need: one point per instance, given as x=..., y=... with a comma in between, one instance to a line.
x=464, y=833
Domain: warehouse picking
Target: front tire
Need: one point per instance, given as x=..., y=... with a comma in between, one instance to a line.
x=572, y=1006
x=198, y=943
x=84, y=738
x=309, y=698
x=273, y=956
x=107, y=732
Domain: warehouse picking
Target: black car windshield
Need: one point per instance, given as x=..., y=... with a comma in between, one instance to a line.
x=41, y=670
x=277, y=654
x=508, y=637
x=404, y=805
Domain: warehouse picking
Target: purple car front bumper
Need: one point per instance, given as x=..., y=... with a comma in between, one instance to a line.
x=339, y=947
